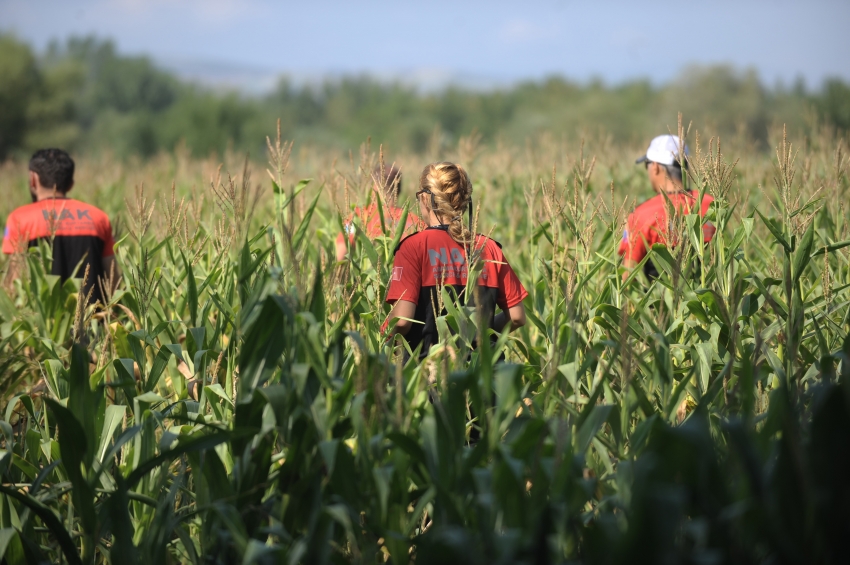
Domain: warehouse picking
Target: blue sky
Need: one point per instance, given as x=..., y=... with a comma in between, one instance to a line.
x=472, y=42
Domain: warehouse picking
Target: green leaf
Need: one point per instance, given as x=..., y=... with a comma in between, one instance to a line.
x=715, y=304
x=9, y=536
x=317, y=297
x=117, y=516
x=399, y=230
x=695, y=308
x=264, y=344
x=51, y=521
x=660, y=255
x=296, y=190
x=301, y=232
x=591, y=426
x=113, y=418
x=159, y=364
x=218, y=391
x=186, y=445
x=195, y=340
x=830, y=248
x=76, y=456
x=777, y=233
x=85, y=404
x=803, y=253
x=191, y=291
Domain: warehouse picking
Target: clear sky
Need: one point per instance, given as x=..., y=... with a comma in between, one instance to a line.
x=486, y=41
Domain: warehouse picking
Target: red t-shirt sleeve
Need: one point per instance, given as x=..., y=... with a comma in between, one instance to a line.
x=511, y=291
x=12, y=238
x=708, y=229
x=632, y=245
x=106, y=236
x=406, y=275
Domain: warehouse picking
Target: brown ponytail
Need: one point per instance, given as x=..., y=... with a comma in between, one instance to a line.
x=451, y=193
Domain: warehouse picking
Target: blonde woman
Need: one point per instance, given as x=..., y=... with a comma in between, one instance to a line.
x=438, y=255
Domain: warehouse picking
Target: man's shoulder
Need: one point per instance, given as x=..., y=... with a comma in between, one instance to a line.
x=651, y=203
x=24, y=213
x=649, y=207
x=25, y=209
x=412, y=241
x=93, y=210
x=83, y=211
x=489, y=246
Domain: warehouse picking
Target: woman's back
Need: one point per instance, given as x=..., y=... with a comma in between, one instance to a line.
x=431, y=259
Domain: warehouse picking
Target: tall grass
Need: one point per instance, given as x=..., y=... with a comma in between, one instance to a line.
x=703, y=416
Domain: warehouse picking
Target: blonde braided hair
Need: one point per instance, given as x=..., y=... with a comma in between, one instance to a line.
x=451, y=193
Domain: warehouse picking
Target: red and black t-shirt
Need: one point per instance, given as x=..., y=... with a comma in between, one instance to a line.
x=81, y=234
x=650, y=224
x=430, y=259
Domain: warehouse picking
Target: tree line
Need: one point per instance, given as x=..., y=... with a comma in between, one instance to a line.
x=85, y=96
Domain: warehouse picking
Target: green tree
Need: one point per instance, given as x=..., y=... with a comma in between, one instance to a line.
x=835, y=103
x=19, y=85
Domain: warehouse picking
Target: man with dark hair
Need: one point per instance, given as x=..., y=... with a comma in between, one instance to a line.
x=80, y=234
x=388, y=181
x=650, y=222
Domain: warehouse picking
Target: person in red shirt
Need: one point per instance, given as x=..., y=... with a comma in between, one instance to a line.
x=439, y=255
x=650, y=222
x=80, y=234
x=368, y=218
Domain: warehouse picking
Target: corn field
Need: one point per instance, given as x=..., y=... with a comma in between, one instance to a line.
x=701, y=417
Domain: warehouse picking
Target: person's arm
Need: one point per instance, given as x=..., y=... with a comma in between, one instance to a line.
x=515, y=315
x=14, y=270
x=111, y=272
x=632, y=247
x=403, y=311
x=341, y=248
x=14, y=249
x=348, y=231
x=403, y=289
x=510, y=296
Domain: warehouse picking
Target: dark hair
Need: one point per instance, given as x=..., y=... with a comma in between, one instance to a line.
x=389, y=178
x=54, y=168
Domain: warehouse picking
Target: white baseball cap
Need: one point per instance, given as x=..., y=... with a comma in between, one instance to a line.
x=664, y=149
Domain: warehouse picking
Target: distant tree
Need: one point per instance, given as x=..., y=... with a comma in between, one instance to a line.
x=722, y=100
x=834, y=103
x=20, y=82
x=84, y=95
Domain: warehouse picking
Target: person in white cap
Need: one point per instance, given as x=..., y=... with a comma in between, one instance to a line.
x=649, y=223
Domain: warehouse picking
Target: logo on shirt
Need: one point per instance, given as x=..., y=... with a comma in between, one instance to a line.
x=397, y=273
x=440, y=257
x=450, y=265
x=53, y=215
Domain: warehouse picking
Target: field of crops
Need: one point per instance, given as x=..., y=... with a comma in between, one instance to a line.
x=703, y=417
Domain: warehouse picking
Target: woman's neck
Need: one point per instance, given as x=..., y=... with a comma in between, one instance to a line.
x=434, y=220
